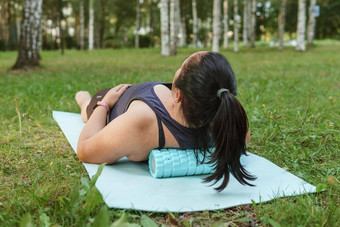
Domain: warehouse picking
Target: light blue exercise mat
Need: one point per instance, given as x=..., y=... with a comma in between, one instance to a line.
x=129, y=185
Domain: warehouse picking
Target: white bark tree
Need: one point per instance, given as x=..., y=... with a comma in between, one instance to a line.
x=165, y=39
x=236, y=26
x=29, y=38
x=281, y=23
x=91, y=25
x=301, y=26
x=216, y=25
x=17, y=21
x=180, y=25
x=245, y=22
x=82, y=25
x=183, y=32
x=138, y=19
x=311, y=22
x=226, y=24
x=194, y=23
x=252, y=23
x=173, y=28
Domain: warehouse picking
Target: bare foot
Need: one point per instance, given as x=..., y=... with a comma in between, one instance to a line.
x=83, y=99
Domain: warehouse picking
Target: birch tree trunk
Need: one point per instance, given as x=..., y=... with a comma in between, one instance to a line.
x=61, y=30
x=180, y=25
x=165, y=39
x=194, y=23
x=28, y=51
x=311, y=22
x=82, y=25
x=216, y=25
x=17, y=21
x=281, y=23
x=151, y=23
x=3, y=23
x=137, y=23
x=252, y=23
x=91, y=24
x=183, y=31
x=173, y=27
x=226, y=24
x=236, y=26
x=245, y=22
x=301, y=26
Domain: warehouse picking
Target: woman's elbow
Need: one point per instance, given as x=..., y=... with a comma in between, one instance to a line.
x=81, y=152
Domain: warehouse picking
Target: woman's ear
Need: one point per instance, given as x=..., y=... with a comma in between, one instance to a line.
x=178, y=96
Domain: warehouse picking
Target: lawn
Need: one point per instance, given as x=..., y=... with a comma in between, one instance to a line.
x=293, y=104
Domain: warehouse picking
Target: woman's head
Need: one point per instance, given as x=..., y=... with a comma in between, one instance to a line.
x=220, y=117
x=200, y=77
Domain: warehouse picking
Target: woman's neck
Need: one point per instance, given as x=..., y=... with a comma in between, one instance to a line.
x=176, y=112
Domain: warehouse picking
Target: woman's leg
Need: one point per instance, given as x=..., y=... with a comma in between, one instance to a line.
x=83, y=99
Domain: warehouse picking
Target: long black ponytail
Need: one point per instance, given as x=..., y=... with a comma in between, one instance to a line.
x=228, y=131
x=220, y=117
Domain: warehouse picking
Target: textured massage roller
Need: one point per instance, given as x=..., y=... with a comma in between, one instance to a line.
x=175, y=162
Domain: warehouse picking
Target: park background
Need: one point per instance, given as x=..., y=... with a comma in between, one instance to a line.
x=285, y=55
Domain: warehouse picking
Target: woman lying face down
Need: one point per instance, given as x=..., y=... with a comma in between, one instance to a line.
x=197, y=111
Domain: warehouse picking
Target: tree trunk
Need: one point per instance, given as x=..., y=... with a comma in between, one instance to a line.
x=165, y=48
x=183, y=31
x=245, y=22
x=281, y=23
x=28, y=51
x=252, y=30
x=137, y=23
x=101, y=29
x=180, y=25
x=151, y=23
x=91, y=24
x=82, y=25
x=301, y=26
x=226, y=24
x=311, y=22
x=194, y=24
x=4, y=31
x=173, y=28
x=17, y=22
x=216, y=25
x=236, y=26
x=61, y=33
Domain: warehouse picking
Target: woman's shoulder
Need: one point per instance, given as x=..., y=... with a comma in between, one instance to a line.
x=164, y=93
x=141, y=112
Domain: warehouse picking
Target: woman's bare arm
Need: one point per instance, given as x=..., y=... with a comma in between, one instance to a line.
x=132, y=134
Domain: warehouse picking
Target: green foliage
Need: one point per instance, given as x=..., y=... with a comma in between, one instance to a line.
x=292, y=104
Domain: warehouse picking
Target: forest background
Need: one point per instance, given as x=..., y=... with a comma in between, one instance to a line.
x=87, y=24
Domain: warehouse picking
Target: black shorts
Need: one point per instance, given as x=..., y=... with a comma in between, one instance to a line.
x=93, y=103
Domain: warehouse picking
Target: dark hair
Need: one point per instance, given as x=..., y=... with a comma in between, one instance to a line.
x=220, y=120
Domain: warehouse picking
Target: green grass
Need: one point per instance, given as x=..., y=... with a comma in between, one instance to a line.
x=292, y=101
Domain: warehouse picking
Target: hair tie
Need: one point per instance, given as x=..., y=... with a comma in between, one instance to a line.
x=220, y=91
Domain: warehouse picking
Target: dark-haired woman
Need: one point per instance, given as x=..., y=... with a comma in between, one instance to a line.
x=197, y=111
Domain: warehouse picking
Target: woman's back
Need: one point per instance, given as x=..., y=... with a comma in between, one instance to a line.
x=146, y=92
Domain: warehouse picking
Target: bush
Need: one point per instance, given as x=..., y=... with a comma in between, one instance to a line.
x=114, y=43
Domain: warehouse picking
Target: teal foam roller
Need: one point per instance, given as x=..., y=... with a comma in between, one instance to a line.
x=175, y=162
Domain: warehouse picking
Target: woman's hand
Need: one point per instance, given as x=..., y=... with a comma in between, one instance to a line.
x=114, y=94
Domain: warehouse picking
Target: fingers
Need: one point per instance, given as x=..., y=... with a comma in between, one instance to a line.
x=122, y=89
x=118, y=87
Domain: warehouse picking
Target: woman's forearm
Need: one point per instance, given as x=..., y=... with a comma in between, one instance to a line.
x=96, y=123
